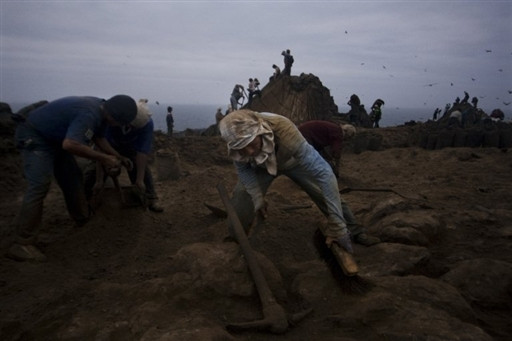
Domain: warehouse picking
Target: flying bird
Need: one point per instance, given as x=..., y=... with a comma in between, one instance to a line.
x=473, y=79
x=383, y=66
x=431, y=84
x=346, y=32
x=157, y=103
x=507, y=103
x=488, y=51
x=500, y=70
x=451, y=84
x=510, y=91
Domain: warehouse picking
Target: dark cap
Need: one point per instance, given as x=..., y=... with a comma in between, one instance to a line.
x=122, y=108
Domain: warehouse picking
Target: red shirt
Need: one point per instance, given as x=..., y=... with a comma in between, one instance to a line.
x=321, y=134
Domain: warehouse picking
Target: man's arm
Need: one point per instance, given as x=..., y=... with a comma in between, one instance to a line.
x=76, y=148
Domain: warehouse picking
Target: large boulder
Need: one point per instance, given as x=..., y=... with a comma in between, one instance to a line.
x=300, y=98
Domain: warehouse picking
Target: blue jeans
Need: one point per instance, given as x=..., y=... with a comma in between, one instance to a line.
x=313, y=174
x=43, y=160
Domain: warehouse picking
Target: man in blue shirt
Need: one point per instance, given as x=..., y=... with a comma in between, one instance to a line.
x=135, y=142
x=49, y=139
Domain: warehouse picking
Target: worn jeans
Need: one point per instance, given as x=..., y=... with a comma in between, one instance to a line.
x=43, y=160
x=314, y=175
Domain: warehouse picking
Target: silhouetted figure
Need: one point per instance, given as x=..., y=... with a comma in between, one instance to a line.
x=355, y=105
x=288, y=62
x=376, y=113
x=169, y=119
x=253, y=89
x=218, y=115
x=277, y=72
x=436, y=113
x=465, y=99
x=474, y=101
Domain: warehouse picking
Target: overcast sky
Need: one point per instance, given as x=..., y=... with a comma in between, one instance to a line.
x=409, y=53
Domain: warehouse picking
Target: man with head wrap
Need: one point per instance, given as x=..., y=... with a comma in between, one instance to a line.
x=264, y=146
x=49, y=139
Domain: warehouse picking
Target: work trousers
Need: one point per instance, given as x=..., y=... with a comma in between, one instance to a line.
x=42, y=161
x=313, y=174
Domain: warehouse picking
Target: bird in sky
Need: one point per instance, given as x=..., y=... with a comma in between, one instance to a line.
x=431, y=84
x=488, y=51
x=507, y=103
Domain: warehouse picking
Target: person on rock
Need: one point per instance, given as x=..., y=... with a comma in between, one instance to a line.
x=288, y=62
x=49, y=139
x=264, y=146
x=236, y=94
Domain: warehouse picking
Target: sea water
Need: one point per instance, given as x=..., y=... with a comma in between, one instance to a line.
x=201, y=116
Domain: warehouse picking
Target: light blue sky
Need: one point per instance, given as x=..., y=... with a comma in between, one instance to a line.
x=195, y=51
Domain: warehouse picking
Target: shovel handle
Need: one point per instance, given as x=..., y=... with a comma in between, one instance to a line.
x=266, y=296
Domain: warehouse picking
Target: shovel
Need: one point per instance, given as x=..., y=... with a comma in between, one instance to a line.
x=275, y=318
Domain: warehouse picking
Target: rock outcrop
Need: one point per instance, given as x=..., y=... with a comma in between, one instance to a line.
x=300, y=98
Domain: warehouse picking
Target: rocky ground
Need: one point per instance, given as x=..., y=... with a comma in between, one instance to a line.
x=442, y=272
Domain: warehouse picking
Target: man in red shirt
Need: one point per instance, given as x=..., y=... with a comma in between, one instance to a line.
x=327, y=138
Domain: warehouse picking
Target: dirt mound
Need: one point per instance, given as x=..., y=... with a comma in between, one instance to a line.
x=442, y=272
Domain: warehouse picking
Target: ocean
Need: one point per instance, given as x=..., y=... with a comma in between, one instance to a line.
x=201, y=116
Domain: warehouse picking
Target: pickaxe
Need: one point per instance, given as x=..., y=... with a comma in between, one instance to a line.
x=275, y=318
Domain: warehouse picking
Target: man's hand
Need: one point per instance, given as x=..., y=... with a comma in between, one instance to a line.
x=127, y=163
x=110, y=161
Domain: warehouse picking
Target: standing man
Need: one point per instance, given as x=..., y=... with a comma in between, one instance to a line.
x=288, y=62
x=264, y=146
x=49, y=139
x=135, y=142
x=169, y=119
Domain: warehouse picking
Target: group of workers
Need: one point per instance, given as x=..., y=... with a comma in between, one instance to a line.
x=112, y=133
x=118, y=132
